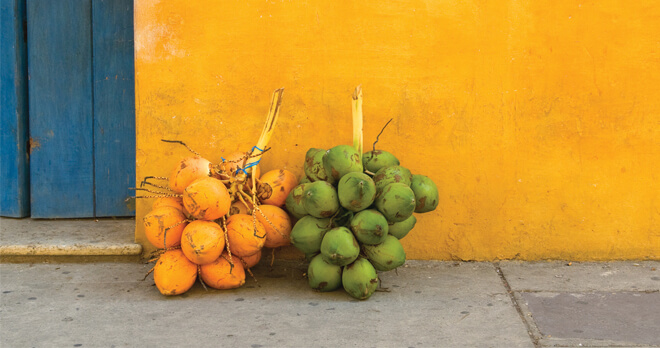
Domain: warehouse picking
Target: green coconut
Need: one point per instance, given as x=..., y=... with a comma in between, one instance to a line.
x=387, y=255
x=373, y=161
x=369, y=227
x=426, y=193
x=339, y=246
x=401, y=229
x=340, y=160
x=389, y=175
x=356, y=191
x=360, y=279
x=307, y=234
x=294, y=202
x=320, y=199
x=313, y=166
x=396, y=202
x=323, y=276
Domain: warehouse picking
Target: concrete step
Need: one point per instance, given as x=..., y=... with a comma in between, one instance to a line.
x=68, y=240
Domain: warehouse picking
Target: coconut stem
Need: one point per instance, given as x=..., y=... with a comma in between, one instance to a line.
x=164, y=195
x=148, y=273
x=154, y=185
x=231, y=263
x=168, y=194
x=182, y=143
x=224, y=229
x=269, y=126
x=254, y=225
x=199, y=276
x=252, y=275
x=241, y=199
x=253, y=191
x=145, y=180
x=357, y=120
x=171, y=227
x=381, y=132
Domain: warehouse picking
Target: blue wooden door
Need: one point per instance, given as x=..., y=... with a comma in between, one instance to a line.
x=81, y=107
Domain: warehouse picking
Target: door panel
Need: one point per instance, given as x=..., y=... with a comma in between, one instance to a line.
x=114, y=100
x=14, y=176
x=61, y=108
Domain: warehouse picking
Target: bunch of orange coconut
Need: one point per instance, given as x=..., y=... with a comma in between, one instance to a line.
x=211, y=221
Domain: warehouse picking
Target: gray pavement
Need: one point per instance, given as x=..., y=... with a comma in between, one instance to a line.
x=590, y=304
x=422, y=304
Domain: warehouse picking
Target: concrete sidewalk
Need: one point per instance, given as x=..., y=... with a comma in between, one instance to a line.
x=426, y=304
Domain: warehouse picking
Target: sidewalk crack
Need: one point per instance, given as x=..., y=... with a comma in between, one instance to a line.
x=512, y=297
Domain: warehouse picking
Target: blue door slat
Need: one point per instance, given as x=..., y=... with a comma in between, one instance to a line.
x=14, y=178
x=114, y=105
x=61, y=113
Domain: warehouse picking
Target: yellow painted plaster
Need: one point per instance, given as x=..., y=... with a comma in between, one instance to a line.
x=538, y=120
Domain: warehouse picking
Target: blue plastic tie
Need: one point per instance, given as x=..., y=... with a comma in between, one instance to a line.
x=248, y=166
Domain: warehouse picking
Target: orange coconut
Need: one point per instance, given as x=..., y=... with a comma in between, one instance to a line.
x=174, y=274
x=187, y=171
x=164, y=221
x=206, y=199
x=252, y=260
x=220, y=274
x=281, y=182
x=278, y=229
x=243, y=240
x=202, y=241
x=175, y=202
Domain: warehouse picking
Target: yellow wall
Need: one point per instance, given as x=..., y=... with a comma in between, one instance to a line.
x=538, y=120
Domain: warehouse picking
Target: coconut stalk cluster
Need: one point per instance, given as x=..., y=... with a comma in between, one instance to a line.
x=353, y=209
x=210, y=221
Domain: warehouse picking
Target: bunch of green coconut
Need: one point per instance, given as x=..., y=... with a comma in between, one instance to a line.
x=352, y=212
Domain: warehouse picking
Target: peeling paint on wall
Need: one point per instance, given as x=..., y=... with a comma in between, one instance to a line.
x=156, y=42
